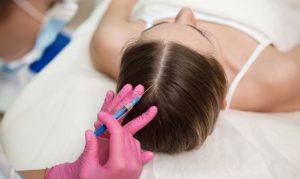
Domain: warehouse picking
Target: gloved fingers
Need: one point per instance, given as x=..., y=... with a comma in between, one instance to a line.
x=147, y=156
x=104, y=134
x=122, y=98
x=134, y=146
x=138, y=148
x=103, y=151
x=133, y=156
x=141, y=121
x=97, y=124
x=90, y=153
x=119, y=97
x=138, y=90
x=110, y=122
x=117, y=135
x=108, y=99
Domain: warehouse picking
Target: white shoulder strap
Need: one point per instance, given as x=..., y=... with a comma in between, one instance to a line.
x=148, y=22
x=243, y=71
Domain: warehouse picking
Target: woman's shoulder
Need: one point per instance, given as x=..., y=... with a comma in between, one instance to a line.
x=271, y=84
x=108, y=42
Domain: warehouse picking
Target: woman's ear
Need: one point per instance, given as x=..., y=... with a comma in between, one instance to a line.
x=224, y=104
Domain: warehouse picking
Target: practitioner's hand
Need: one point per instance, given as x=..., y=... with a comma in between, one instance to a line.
x=126, y=158
x=111, y=105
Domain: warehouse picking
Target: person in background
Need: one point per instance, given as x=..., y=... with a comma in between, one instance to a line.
x=30, y=37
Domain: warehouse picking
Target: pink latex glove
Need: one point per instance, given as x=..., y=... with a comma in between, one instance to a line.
x=111, y=105
x=125, y=156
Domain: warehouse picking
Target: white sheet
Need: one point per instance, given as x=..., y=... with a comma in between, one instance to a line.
x=47, y=123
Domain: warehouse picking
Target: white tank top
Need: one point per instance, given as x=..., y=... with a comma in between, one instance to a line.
x=153, y=12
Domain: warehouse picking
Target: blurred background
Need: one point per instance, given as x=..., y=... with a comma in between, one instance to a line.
x=85, y=9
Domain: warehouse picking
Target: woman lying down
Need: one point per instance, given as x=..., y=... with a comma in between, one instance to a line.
x=192, y=69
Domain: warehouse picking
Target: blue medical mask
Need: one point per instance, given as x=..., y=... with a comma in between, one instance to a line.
x=54, y=21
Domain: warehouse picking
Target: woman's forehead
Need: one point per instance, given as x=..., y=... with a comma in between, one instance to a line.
x=179, y=33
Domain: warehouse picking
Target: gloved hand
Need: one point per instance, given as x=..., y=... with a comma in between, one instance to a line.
x=111, y=105
x=125, y=156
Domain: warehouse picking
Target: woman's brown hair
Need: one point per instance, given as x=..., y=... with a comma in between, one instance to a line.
x=187, y=87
